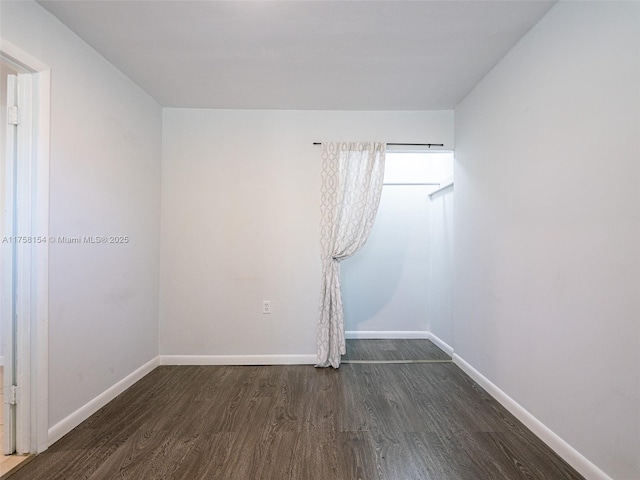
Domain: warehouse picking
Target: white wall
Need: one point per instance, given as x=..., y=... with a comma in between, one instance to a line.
x=440, y=288
x=105, y=180
x=240, y=222
x=547, y=229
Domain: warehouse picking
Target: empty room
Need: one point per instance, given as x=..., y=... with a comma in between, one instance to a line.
x=320, y=240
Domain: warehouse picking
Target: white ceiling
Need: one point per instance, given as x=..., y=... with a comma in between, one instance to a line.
x=327, y=55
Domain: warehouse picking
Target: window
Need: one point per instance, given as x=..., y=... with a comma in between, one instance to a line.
x=406, y=168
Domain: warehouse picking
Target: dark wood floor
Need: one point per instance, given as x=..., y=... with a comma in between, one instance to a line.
x=363, y=421
x=393, y=350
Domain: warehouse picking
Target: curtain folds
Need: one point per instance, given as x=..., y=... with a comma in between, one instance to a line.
x=352, y=175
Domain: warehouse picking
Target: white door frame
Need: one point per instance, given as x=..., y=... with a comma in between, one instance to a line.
x=8, y=343
x=33, y=317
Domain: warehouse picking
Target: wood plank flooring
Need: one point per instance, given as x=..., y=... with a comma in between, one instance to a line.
x=388, y=350
x=363, y=421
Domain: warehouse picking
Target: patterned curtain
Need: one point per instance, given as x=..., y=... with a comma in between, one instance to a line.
x=352, y=175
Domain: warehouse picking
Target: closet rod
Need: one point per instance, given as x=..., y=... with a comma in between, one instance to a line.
x=412, y=184
x=428, y=145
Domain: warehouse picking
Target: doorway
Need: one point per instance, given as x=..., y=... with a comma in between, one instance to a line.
x=7, y=418
x=399, y=286
x=24, y=217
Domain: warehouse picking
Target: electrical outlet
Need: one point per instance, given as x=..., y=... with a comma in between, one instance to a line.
x=266, y=307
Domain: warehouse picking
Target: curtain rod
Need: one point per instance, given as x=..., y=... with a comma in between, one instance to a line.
x=428, y=145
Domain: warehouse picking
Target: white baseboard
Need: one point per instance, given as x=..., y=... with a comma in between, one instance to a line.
x=557, y=444
x=1, y=360
x=445, y=347
x=238, y=359
x=379, y=335
x=64, y=426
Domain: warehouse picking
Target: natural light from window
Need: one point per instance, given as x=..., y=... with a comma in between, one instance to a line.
x=418, y=167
